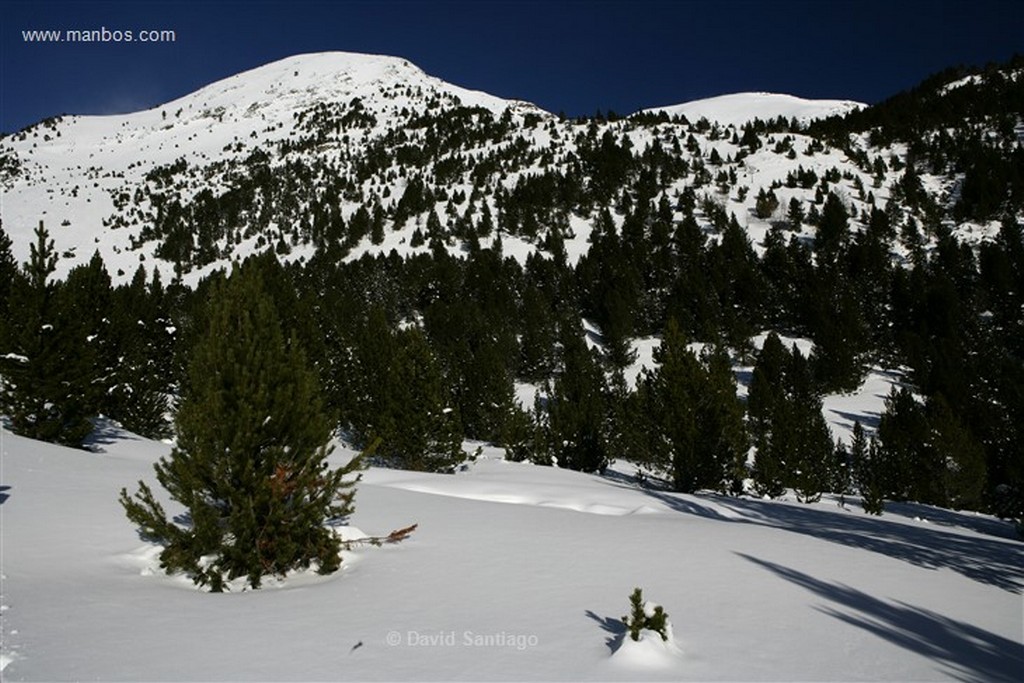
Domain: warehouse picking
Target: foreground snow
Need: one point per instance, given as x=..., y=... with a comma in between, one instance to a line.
x=516, y=572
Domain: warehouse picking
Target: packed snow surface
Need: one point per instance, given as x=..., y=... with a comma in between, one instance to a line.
x=516, y=572
x=739, y=108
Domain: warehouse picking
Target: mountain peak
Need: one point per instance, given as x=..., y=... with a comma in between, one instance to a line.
x=736, y=109
x=301, y=80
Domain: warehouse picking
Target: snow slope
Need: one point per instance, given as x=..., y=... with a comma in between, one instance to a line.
x=516, y=573
x=73, y=169
x=88, y=177
x=739, y=108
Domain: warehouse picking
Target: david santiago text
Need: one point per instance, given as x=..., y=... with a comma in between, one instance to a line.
x=519, y=641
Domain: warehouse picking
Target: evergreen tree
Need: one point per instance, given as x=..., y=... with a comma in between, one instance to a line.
x=766, y=395
x=906, y=466
x=693, y=420
x=576, y=408
x=765, y=204
x=723, y=431
x=794, y=446
x=832, y=232
x=46, y=372
x=423, y=432
x=8, y=271
x=250, y=461
x=869, y=473
x=670, y=406
x=796, y=214
x=537, y=354
x=366, y=408
x=856, y=460
x=85, y=301
x=812, y=452
x=839, y=332
x=138, y=396
x=962, y=457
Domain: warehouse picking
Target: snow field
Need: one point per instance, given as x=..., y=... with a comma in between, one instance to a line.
x=516, y=572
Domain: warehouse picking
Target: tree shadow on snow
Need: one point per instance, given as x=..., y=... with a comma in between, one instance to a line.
x=982, y=524
x=615, y=629
x=966, y=652
x=869, y=420
x=990, y=561
x=104, y=433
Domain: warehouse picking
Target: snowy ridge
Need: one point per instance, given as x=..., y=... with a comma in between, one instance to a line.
x=739, y=108
x=94, y=180
x=301, y=80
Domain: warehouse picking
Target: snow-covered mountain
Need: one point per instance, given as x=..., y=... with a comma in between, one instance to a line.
x=74, y=172
x=266, y=158
x=738, y=109
x=92, y=179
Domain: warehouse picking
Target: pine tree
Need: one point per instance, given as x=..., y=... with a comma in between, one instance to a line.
x=250, y=461
x=46, y=377
x=869, y=474
x=144, y=341
x=692, y=418
x=812, y=455
x=855, y=460
x=764, y=403
x=723, y=431
x=839, y=335
x=576, y=408
x=366, y=407
x=795, y=214
x=832, y=230
x=670, y=409
x=8, y=270
x=765, y=204
x=907, y=468
x=84, y=300
x=424, y=432
x=539, y=336
x=962, y=457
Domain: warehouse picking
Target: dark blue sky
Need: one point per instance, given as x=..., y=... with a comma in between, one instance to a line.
x=574, y=57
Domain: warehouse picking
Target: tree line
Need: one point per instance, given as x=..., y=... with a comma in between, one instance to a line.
x=418, y=354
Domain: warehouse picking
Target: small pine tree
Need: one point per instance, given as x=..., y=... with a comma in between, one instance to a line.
x=869, y=481
x=645, y=615
x=250, y=461
x=907, y=468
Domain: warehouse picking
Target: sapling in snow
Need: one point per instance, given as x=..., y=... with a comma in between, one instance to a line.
x=646, y=615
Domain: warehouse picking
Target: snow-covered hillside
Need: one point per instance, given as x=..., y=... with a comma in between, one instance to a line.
x=516, y=572
x=76, y=173
x=107, y=183
x=739, y=108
